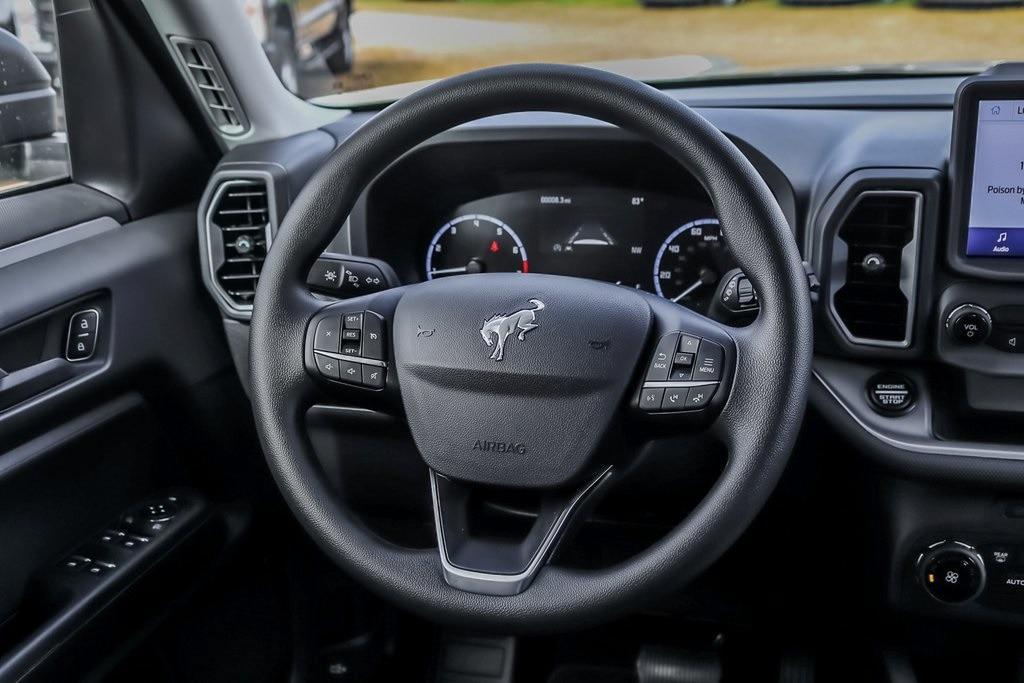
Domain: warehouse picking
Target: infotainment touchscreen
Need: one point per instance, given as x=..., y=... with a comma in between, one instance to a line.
x=995, y=226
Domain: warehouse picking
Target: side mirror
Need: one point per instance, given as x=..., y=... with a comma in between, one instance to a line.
x=28, y=102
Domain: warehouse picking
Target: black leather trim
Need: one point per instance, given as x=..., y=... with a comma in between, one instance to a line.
x=759, y=424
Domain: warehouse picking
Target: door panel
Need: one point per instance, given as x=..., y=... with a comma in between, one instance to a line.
x=82, y=451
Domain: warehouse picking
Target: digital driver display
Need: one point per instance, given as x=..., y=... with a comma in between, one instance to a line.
x=995, y=227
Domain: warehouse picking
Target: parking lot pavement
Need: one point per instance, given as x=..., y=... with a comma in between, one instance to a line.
x=408, y=41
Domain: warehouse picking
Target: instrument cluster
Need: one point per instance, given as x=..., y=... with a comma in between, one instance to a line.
x=667, y=245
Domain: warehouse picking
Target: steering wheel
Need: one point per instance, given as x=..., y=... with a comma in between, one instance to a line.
x=517, y=380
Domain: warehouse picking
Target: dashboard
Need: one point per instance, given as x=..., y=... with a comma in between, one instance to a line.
x=904, y=196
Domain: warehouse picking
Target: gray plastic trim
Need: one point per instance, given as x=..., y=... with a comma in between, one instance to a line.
x=213, y=65
x=911, y=431
x=908, y=269
x=55, y=240
x=352, y=359
x=487, y=583
x=212, y=256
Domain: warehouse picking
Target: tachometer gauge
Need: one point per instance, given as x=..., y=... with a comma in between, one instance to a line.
x=475, y=243
x=690, y=263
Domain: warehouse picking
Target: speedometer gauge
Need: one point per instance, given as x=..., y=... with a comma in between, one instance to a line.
x=690, y=263
x=475, y=243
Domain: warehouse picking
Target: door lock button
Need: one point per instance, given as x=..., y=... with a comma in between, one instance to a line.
x=83, y=331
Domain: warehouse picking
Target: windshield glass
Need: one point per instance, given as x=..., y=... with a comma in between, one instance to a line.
x=338, y=54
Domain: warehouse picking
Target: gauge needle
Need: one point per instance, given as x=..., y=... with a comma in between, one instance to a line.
x=686, y=292
x=450, y=271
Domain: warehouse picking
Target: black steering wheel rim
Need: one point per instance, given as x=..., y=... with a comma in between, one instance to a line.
x=758, y=425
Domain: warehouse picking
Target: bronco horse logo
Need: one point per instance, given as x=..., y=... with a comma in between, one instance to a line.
x=498, y=328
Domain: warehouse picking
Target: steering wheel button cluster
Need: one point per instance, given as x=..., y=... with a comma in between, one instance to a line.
x=683, y=374
x=350, y=348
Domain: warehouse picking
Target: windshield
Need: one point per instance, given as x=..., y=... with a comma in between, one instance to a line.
x=337, y=54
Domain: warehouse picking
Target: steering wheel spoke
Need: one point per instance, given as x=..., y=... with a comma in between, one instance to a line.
x=686, y=375
x=505, y=563
x=347, y=351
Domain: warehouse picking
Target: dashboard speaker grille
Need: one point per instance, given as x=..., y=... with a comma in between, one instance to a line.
x=240, y=219
x=875, y=263
x=211, y=85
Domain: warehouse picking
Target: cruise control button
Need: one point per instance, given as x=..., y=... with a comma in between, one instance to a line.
x=349, y=348
x=326, y=337
x=709, y=362
x=350, y=335
x=689, y=344
x=675, y=399
x=373, y=377
x=650, y=399
x=661, y=363
x=373, y=336
x=698, y=397
x=327, y=366
x=353, y=321
x=350, y=372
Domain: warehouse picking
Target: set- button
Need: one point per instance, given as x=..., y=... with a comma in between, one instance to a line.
x=350, y=348
x=683, y=374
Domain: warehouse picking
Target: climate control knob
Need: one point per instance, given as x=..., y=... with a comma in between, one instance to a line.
x=952, y=571
x=969, y=324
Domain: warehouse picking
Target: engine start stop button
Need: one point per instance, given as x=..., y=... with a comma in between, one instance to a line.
x=891, y=393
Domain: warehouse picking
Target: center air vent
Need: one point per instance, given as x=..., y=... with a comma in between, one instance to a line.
x=874, y=268
x=239, y=230
x=210, y=85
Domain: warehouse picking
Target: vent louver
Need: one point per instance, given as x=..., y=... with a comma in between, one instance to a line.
x=211, y=85
x=240, y=218
x=875, y=268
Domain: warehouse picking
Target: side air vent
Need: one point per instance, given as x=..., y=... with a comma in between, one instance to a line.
x=211, y=86
x=239, y=229
x=874, y=268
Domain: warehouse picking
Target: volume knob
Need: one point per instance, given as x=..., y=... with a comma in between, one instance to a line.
x=969, y=324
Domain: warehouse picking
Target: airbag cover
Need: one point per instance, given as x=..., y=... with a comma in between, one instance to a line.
x=529, y=408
